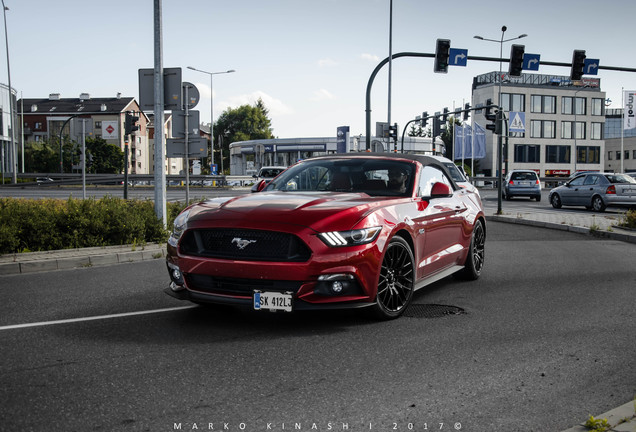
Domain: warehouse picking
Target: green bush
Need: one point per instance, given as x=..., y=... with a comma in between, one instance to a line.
x=50, y=224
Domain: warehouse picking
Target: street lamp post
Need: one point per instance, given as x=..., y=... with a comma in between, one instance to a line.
x=500, y=114
x=14, y=150
x=212, y=111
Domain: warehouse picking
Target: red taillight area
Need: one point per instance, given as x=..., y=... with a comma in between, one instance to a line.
x=537, y=182
x=611, y=190
x=511, y=183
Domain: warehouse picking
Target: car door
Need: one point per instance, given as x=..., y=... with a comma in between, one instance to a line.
x=569, y=194
x=438, y=225
x=587, y=190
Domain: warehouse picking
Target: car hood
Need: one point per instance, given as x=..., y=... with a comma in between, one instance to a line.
x=311, y=209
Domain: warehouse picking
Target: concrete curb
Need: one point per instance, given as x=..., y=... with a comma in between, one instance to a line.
x=625, y=236
x=33, y=262
x=621, y=419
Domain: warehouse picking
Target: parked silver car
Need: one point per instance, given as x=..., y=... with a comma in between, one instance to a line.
x=596, y=191
x=524, y=183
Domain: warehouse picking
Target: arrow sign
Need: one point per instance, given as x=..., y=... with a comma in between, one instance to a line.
x=531, y=62
x=457, y=57
x=590, y=66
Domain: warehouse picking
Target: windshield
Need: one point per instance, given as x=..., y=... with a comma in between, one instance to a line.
x=373, y=176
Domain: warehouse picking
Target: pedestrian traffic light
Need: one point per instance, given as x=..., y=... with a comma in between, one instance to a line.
x=578, y=64
x=442, y=51
x=466, y=111
x=516, y=60
x=424, y=119
x=130, y=123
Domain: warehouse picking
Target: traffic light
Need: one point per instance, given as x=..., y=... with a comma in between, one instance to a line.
x=516, y=60
x=442, y=51
x=466, y=111
x=393, y=132
x=445, y=115
x=424, y=119
x=578, y=63
x=130, y=123
x=491, y=116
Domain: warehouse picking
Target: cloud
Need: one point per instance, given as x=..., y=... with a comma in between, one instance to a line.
x=322, y=94
x=327, y=62
x=370, y=57
x=275, y=106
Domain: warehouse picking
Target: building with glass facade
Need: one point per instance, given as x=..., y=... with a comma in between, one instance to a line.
x=620, y=144
x=6, y=150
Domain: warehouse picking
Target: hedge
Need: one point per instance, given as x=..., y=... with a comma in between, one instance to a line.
x=50, y=224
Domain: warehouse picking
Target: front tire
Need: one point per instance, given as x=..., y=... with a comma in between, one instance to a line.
x=476, y=253
x=555, y=200
x=397, y=280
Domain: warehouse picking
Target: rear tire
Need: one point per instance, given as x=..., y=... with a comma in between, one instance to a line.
x=598, y=204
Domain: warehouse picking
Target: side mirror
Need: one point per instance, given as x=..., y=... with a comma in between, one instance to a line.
x=260, y=185
x=441, y=190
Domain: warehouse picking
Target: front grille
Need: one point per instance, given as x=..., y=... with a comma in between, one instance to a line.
x=247, y=245
x=241, y=287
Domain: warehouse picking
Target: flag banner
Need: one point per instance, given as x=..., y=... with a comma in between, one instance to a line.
x=459, y=142
x=480, y=142
x=629, y=121
x=468, y=141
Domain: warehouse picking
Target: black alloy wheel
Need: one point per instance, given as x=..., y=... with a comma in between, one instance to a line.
x=476, y=254
x=397, y=280
x=555, y=200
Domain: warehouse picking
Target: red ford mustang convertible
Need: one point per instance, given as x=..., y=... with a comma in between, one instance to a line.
x=339, y=231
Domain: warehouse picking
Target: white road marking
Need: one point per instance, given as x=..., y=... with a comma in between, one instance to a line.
x=94, y=318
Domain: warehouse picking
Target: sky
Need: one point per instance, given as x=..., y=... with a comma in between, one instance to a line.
x=309, y=61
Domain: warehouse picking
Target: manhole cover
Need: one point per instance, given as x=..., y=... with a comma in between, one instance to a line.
x=431, y=311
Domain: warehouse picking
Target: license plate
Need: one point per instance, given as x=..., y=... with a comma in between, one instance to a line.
x=272, y=301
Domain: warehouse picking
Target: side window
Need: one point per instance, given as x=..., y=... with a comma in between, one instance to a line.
x=591, y=180
x=429, y=176
x=577, y=181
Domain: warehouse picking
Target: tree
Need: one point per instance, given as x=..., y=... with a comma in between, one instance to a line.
x=247, y=122
x=44, y=156
x=105, y=158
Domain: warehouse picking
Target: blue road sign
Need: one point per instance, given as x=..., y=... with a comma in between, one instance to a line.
x=517, y=121
x=457, y=57
x=590, y=66
x=531, y=62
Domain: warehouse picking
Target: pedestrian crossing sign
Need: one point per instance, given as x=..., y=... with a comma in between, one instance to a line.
x=517, y=122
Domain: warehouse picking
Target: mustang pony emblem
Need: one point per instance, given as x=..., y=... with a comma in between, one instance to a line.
x=242, y=243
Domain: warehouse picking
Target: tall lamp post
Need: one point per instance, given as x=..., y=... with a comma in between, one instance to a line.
x=212, y=111
x=14, y=159
x=500, y=114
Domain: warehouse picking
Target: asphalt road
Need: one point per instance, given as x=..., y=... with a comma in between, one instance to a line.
x=547, y=338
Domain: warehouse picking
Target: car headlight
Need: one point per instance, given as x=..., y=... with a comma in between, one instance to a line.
x=350, y=238
x=178, y=228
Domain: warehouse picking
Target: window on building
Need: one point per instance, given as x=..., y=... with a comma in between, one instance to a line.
x=618, y=155
x=543, y=129
x=588, y=155
x=38, y=126
x=597, y=131
x=597, y=106
x=513, y=102
x=543, y=104
x=527, y=153
x=98, y=125
x=626, y=154
x=570, y=105
x=557, y=154
x=634, y=155
x=609, y=155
